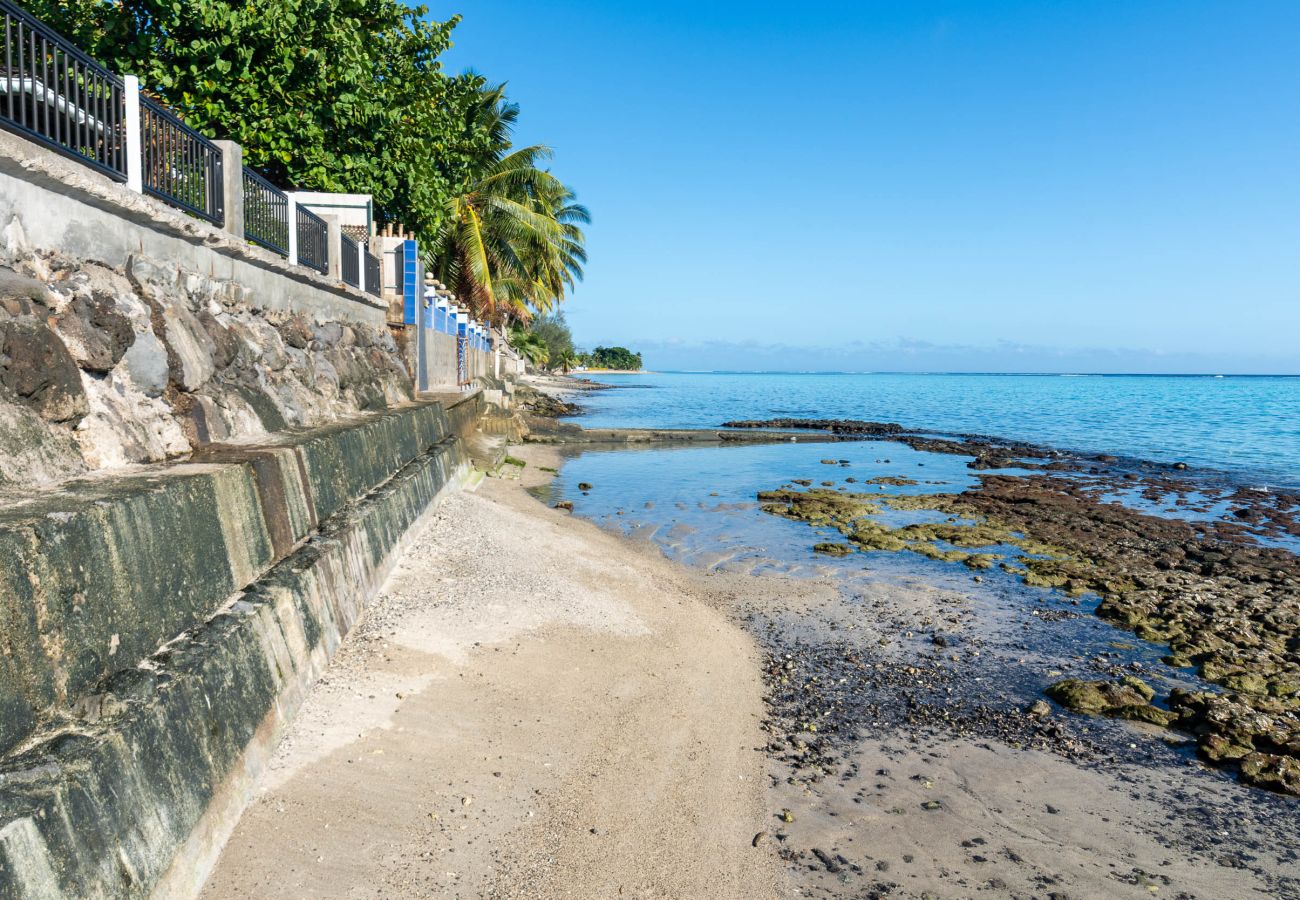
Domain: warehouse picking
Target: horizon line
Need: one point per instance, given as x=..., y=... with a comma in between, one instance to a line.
x=1062, y=374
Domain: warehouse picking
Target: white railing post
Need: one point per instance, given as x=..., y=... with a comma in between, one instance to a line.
x=292, y=212
x=334, y=251
x=361, y=266
x=232, y=186
x=134, y=142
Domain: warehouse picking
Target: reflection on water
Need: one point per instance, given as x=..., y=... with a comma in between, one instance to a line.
x=698, y=505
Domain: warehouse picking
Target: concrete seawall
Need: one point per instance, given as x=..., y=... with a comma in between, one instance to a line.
x=159, y=630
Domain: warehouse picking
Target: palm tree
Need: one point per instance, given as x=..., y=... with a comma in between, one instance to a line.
x=530, y=346
x=511, y=244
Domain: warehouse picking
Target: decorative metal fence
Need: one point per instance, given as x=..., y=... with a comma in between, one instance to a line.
x=462, y=361
x=350, y=264
x=53, y=93
x=373, y=275
x=181, y=166
x=313, y=240
x=266, y=213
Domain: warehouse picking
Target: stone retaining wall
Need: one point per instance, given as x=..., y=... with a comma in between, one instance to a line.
x=131, y=333
x=159, y=630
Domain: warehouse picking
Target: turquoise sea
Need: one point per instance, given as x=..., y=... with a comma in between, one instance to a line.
x=1245, y=426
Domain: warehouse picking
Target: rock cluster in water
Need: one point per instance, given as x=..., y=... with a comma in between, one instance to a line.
x=1224, y=605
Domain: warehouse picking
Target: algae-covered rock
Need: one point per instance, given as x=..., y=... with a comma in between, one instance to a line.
x=1272, y=771
x=832, y=549
x=1247, y=683
x=1287, y=685
x=934, y=551
x=981, y=561
x=1128, y=698
x=1217, y=748
x=818, y=506
x=1097, y=697
x=1140, y=686
x=870, y=536
x=1153, y=715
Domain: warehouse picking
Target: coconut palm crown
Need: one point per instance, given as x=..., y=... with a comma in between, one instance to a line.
x=511, y=242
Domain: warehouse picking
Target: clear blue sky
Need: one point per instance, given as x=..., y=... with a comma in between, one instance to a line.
x=1013, y=186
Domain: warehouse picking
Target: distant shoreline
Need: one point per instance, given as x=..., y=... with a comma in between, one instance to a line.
x=612, y=372
x=1210, y=375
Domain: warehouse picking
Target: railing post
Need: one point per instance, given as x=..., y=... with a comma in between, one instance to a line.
x=361, y=267
x=334, y=248
x=232, y=186
x=134, y=138
x=293, y=229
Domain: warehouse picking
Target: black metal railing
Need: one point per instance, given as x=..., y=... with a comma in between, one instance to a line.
x=350, y=264
x=373, y=275
x=181, y=166
x=53, y=93
x=313, y=240
x=266, y=213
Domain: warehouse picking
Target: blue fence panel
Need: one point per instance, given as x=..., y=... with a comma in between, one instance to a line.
x=407, y=264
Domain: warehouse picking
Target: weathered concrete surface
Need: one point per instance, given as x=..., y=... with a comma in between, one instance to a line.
x=98, y=574
x=441, y=362
x=65, y=208
x=136, y=797
x=157, y=630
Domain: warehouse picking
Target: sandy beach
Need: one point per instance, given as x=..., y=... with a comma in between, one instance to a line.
x=533, y=708
x=536, y=707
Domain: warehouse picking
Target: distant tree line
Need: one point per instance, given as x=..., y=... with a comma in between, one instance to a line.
x=611, y=358
x=547, y=342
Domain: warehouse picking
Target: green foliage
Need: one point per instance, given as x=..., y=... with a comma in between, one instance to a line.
x=511, y=242
x=555, y=334
x=530, y=346
x=349, y=95
x=612, y=358
x=332, y=95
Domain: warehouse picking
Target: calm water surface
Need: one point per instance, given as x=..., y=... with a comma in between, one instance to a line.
x=1247, y=426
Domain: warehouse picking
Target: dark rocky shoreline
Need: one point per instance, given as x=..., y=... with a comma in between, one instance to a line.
x=879, y=695
x=1226, y=606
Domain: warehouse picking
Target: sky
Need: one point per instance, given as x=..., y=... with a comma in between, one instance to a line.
x=1096, y=185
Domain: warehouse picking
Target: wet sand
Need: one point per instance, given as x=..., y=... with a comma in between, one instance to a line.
x=540, y=708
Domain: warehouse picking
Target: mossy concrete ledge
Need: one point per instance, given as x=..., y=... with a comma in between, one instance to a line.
x=141, y=702
x=98, y=575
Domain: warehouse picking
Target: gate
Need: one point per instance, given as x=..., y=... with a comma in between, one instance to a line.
x=462, y=361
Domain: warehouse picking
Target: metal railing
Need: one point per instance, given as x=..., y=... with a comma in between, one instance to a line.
x=373, y=275
x=266, y=213
x=53, y=93
x=350, y=263
x=181, y=166
x=313, y=240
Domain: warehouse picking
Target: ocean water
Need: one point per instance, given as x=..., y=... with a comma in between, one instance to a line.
x=1246, y=426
